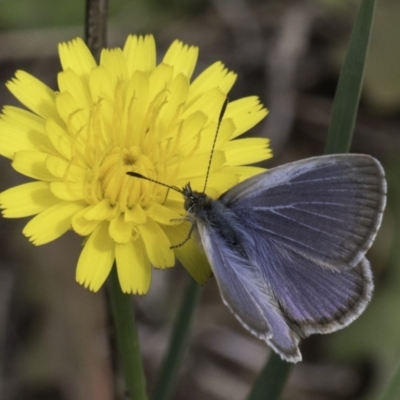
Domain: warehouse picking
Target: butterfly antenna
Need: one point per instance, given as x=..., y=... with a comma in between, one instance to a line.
x=140, y=176
x=221, y=115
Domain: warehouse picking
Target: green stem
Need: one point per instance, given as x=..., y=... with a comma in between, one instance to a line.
x=271, y=380
x=392, y=388
x=348, y=91
x=127, y=338
x=178, y=344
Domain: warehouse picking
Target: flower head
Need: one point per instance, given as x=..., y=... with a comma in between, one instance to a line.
x=126, y=114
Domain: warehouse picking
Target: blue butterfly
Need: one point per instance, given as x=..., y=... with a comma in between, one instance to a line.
x=287, y=247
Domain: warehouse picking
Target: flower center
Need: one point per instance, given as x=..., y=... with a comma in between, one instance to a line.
x=118, y=139
x=108, y=180
x=120, y=188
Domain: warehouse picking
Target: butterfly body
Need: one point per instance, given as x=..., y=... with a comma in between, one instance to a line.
x=287, y=247
x=215, y=215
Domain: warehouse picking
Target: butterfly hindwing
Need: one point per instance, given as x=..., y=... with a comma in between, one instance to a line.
x=313, y=299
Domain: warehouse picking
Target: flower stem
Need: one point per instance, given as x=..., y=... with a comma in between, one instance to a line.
x=178, y=344
x=271, y=380
x=127, y=338
x=96, y=26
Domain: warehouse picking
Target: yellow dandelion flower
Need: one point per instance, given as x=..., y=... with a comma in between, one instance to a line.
x=126, y=114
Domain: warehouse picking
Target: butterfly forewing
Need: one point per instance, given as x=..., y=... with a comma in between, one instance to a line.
x=327, y=209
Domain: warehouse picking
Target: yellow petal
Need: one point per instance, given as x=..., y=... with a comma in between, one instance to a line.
x=140, y=53
x=62, y=169
x=32, y=163
x=119, y=230
x=69, y=191
x=27, y=199
x=14, y=139
x=100, y=211
x=176, y=99
x=101, y=85
x=73, y=116
x=33, y=94
x=182, y=58
x=81, y=225
x=114, y=63
x=23, y=118
x=51, y=223
x=59, y=138
x=157, y=244
x=210, y=103
x=133, y=267
x=21, y=130
x=69, y=81
x=135, y=214
x=247, y=151
x=245, y=113
x=164, y=215
x=217, y=183
x=226, y=130
x=57, y=166
x=159, y=80
x=96, y=259
x=190, y=254
x=76, y=56
x=174, y=200
x=137, y=97
x=246, y=172
x=191, y=134
x=215, y=76
x=175, y=205
x=197, y=165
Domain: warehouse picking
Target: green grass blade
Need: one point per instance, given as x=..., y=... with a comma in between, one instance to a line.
x=271, y=380
x=178, y=344
x=350, y=82
x=392, y=389
x=127, y=338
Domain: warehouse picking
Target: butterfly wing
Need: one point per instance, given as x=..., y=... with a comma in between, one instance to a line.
x=248, y=296
x=327, y=209
x=313, y=299
x=304, y=269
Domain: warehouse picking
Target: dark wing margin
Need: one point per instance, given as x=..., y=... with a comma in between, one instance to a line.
x=313, y=299
x=248, y=296
x=326, y=209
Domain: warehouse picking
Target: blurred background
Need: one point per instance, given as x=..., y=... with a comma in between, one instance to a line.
x=53, y=341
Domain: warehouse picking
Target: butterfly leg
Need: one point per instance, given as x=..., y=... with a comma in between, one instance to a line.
x=186, y=239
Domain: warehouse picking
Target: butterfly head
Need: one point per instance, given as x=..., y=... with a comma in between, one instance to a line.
x=194, y=201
